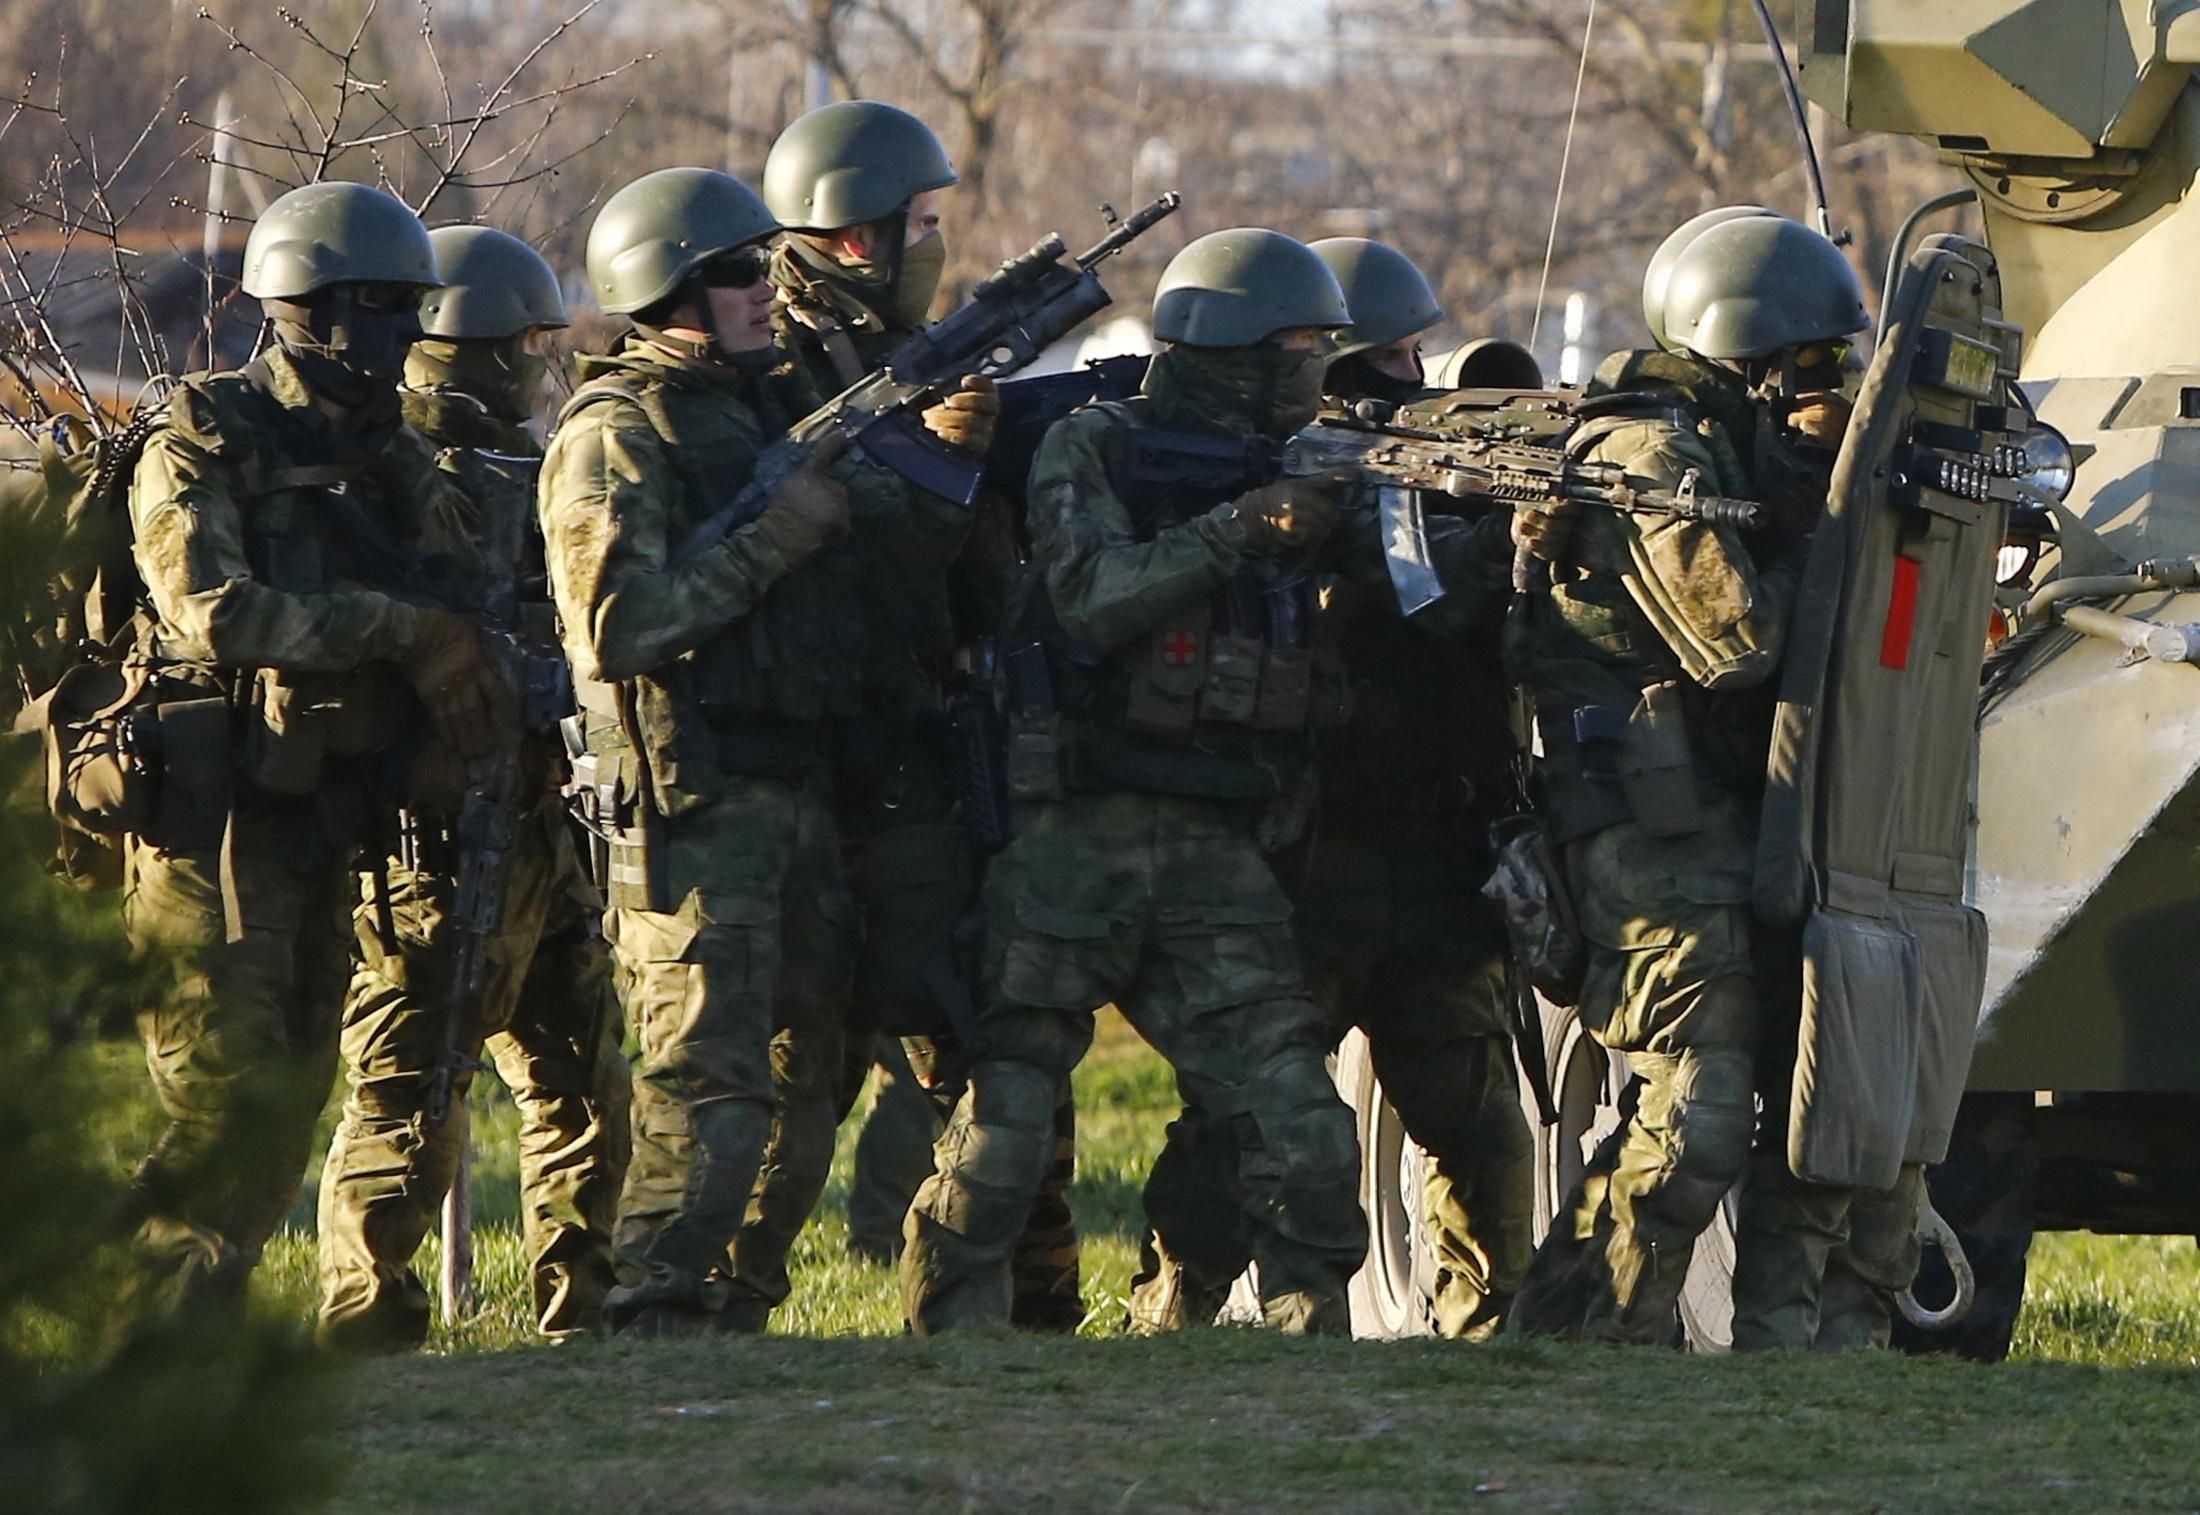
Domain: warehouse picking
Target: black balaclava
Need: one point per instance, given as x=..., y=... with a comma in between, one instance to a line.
x=1352, y=377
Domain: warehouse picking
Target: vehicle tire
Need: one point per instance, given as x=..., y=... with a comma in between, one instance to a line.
x=1984, y=1190
x=1586, y=1084
x=1393, y=1295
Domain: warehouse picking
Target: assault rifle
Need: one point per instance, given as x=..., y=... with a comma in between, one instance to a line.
x=1018, y=311
x=1455, y=452
x=488, y=818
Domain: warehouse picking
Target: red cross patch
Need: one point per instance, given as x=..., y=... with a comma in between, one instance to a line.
x=1179, y=648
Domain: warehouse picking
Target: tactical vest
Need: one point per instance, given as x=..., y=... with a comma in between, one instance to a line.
x=310, y=528
x=759, y=695
x=1222, y=701
x=1627, y=733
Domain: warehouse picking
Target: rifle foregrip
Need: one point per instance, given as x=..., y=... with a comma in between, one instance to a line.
x=1524, y=574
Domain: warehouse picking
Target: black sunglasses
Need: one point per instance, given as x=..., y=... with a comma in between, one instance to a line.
x=734, y=270
x=388, y=296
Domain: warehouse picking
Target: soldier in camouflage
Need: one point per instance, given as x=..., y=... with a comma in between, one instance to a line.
x=717, y=680
x=550, y=1020
x=859, y=185
x=1652, y=657
x=1180, y=704
x=283, y=518
x=1386, y=887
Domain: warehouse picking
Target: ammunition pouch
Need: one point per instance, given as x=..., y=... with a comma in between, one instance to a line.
x=1604, y=764
x=627, y=856
x=1657, y=771
x=1034, y=762
x=1035, y=756
x=1241, y=659
x=1528, y=886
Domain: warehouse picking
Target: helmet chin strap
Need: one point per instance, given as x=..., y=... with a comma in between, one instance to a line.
x=694, y=295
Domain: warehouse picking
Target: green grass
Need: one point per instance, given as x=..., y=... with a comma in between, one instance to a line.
x=836, y=1411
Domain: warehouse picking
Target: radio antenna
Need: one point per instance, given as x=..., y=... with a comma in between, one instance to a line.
x=1801, y=112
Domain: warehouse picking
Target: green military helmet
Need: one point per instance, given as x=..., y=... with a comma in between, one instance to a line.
x=852, y=162
x=335, y=233
x=1237, y=287
x=494, y=285
x=1757, y=284
x=653, y=233
x=1658, y=277
x=1388, y=296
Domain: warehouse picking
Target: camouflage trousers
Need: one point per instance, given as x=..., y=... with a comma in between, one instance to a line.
x=1816, y=1267
x=1673, y=987
x=911, y=883
x=758, y=948
x=549, y=1021
x=914, y=881
x=1165, y=907
x=893, y=1153
x=243, y=1048
x=1397, y=944
x=909, y=1111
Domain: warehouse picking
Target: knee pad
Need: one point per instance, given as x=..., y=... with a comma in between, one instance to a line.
x=1301, y=1170
x=1712, y=1119
x=1003, y=1138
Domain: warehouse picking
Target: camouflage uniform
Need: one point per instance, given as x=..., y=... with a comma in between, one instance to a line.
x=912, y=865
x=1144, y=885
x=1681, y=979
x=714, y=691
x=550, y=1023
x=1673, y=983
x=248, y=570
x=1398, y=940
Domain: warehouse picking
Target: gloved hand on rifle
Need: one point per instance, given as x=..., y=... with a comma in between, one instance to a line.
x=1543, y=529
x=811, y=507
x=1290, y=514
x=450, y=669
x=966, y=418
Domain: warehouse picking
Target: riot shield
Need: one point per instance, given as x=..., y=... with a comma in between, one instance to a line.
x=1867, y=810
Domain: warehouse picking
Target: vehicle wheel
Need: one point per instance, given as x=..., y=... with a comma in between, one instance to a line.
x=1984, y=1190
x=1586, y=1084
x=1393, y=1295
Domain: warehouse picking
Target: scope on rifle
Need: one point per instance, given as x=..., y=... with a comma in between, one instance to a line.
x=1044, y=253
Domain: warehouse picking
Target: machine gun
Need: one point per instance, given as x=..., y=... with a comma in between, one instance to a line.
x=1469, y=449
x=1024, y=306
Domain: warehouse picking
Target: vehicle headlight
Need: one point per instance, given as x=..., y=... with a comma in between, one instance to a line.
x=2050, y=464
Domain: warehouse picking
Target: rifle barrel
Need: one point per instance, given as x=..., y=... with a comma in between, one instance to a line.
x=1142, y=220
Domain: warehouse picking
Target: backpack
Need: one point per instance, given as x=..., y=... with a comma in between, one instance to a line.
x=72, y=627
